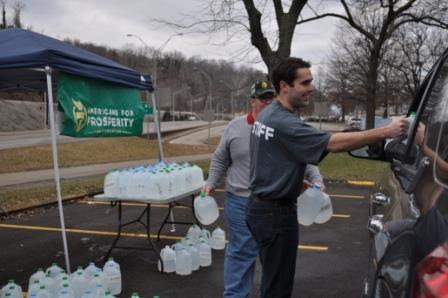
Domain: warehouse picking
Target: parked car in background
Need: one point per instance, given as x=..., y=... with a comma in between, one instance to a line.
x=353, y=122
x=409, y=247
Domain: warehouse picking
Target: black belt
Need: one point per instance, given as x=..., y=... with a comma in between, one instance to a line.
x=275, y=202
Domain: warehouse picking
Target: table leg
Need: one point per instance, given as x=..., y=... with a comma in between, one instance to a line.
x=148, y=234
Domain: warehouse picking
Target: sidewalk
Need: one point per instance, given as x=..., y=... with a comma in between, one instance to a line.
x=17, y=178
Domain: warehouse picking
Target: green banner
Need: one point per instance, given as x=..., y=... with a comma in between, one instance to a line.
x=95, y=108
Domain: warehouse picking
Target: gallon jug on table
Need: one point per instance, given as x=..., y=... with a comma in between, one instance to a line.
x=169, y=260
x=313, y=206
x=54, y=270
x=90, y=270
x=11, y=287
x=218, y=240
x=38, y=275
x=205, y=209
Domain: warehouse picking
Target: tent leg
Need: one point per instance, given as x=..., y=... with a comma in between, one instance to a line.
x=56, y=165
x=156, y=125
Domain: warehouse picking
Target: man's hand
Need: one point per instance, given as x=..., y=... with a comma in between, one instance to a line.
x=207, y=189
x=307, y=184
x=397, y=128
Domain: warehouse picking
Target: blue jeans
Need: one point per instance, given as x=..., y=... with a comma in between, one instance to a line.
x=275, y=229
x=242, y=250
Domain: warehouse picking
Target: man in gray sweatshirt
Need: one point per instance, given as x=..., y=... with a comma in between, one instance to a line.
x=232, y=158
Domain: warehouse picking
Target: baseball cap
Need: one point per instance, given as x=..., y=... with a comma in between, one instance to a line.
x=260, y=88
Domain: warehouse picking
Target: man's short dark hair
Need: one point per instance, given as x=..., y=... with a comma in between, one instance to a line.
x=286, y=71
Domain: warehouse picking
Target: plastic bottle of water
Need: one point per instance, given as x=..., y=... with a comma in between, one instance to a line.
x=197, y=176
x=111, y=187
x=108, y=295
x=205, y=209
x=43, y=293
x=193, y=232
x=218, y=240
x=90, y=270
x=124, y=182
x=34, y=287
x=194, y=257
x=135, y=295
x=38, y=275
x=78, y=282
x=66, y=292
x=12, y=288
x=205, y=254
x=49, y=283
x=54, y=270
x=112, y=274
x=99, y=291
x=326, y=210
x=309, y=204
x=183, y=261
x=169, y=260
x=97, y=279
x=87, y=294
x=206, y=236
x=60, y=281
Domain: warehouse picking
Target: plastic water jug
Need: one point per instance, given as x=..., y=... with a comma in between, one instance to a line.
x=87, y=294
x=205, y=209
x=205, y=254
x=218, y=240
x=169, y=260
x=194, y=253
x=111, y=187
x=326, y=210
x=43, y=293
x=49, y=283
x=309, y=205
x=96, y=280
x=193, y=232
x=197, y=176
x=12, y=288
x=99, y=291
x=34, y=287
x=108, y=295
x=66, y=292
x=38, y=275
x=78, y=283
x=183, y=262
x=135, y=295
x=90, y=270
x=61, y=280
x=205, y=234
x=54, y=270
x=112, y=275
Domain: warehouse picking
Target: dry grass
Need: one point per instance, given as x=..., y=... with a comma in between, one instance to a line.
x=91, y=152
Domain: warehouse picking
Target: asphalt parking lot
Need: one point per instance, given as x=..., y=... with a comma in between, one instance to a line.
x=332, y=258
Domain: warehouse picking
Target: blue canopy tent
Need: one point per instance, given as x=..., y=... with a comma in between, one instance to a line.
x=29, y=61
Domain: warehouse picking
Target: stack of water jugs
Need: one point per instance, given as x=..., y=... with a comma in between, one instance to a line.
x=91, y=282
x=157, y=181
x=193, y=251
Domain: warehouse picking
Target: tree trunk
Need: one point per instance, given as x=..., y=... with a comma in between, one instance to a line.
x=372, y=78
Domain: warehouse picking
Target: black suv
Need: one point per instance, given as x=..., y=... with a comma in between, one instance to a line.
x=411, y=250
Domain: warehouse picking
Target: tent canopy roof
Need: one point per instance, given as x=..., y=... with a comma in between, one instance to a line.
x=24, y=54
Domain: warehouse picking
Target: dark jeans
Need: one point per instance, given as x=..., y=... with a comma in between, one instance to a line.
x=276, y=231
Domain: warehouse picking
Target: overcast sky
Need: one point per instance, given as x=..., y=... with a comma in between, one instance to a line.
x=107, y=22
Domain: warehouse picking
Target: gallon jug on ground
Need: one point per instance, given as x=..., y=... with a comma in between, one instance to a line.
x=218, y=240
x=169, y=260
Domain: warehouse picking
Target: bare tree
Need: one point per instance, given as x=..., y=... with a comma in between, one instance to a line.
x=3, y=24
x=377, y=21
x=256, y=18
x=17, y=7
